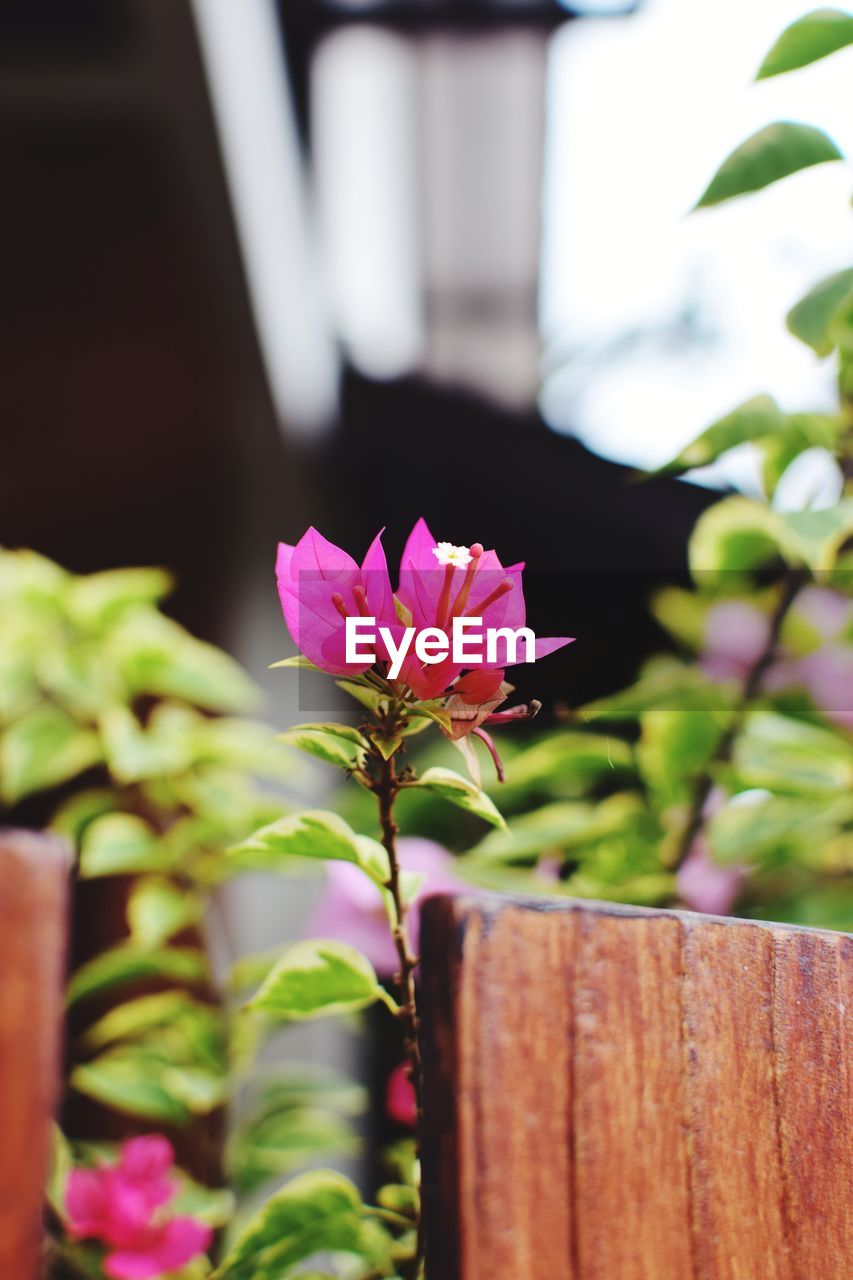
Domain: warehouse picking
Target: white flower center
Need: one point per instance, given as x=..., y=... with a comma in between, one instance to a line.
x=446, y=553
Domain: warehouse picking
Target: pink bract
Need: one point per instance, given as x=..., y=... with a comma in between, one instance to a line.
x=351, y=910
x=320, y=585
x=400, y=1097
x=123, y=1206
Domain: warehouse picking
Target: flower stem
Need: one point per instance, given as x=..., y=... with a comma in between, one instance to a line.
x=695, y=822
x=385, y=787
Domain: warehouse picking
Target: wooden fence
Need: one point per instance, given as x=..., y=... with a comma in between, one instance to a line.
x=624, y=1094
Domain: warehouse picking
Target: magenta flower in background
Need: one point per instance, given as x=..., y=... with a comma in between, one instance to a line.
x=400, y=1097
x=704, y=885
x=736, y=633
x=352, y=909
x=124, y=1206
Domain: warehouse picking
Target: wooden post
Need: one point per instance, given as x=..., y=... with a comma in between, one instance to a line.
x=624, y=1094
x=33, y=906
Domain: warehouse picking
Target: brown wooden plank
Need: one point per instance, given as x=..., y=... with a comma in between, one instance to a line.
x=739, y=1226
x=631, y=1176
x=625, y=1094
x=812, y=1044
x=514, y=1081
x=33, y=903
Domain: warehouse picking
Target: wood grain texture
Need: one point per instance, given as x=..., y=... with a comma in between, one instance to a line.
x=33, y=905
x=624, y=1094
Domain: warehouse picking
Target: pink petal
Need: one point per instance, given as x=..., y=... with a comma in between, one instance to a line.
x=87, y=1201
x=735, y=636
x=124, y=1264
x=400, y=1097
x=828, y=611
x=828, y=676
x=166, y=1249
x=544, y=646
x=377, y=583
x=283, y=563
x=147, y=1159
x=314, y=555
x=181, y=1240
x=419, y=546
x=706, y=886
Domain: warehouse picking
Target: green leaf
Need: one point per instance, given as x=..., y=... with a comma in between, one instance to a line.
x=211, y=1205
x=61, y=1164
x=134, y=753
x=297, y=660
x=118, y=844
x=735, y=535
x=791, y=757
x=129, y=962
x=134, y=1018
x=317, y=1212
x=158, y=657
x=665, y=684
x=245, y=745
x=434, y=710
x=462, y=792
x=771, y=154
x=386, y=746
x=566, y=762
x=336, y=744
x=675, y=746
x=365, y=694
x=817, y=537
x=778, y=826
x=77, y=678
x=316, y=979
x=312, y=834
x=556, y=829
x=41, y=750
x=282, y=1141
x=74, y=815
x=683, y=614
x=95, y=599
x=158, y=909
x=142, y=1080
x=129, y=1082
x=814, y=36
x=801, y=431
x=750, y=421
x=813, y=317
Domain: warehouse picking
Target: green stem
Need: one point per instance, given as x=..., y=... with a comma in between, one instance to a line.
x=385, y=787
x=696, y=818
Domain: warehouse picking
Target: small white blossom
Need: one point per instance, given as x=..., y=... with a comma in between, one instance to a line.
x=446, y=553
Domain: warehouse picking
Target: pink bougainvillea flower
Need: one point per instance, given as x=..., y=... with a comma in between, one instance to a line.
x=124, y=1206
x=320, y=585
x=704, y=885
x=351, y=910
x=736, y=633
x=400, y=1097
x=440, y=582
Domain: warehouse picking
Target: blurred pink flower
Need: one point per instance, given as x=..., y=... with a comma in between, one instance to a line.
x=400, y=1097
x=122, y=1205
x=704, y=885
x=736, y=633
x=352, y=910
